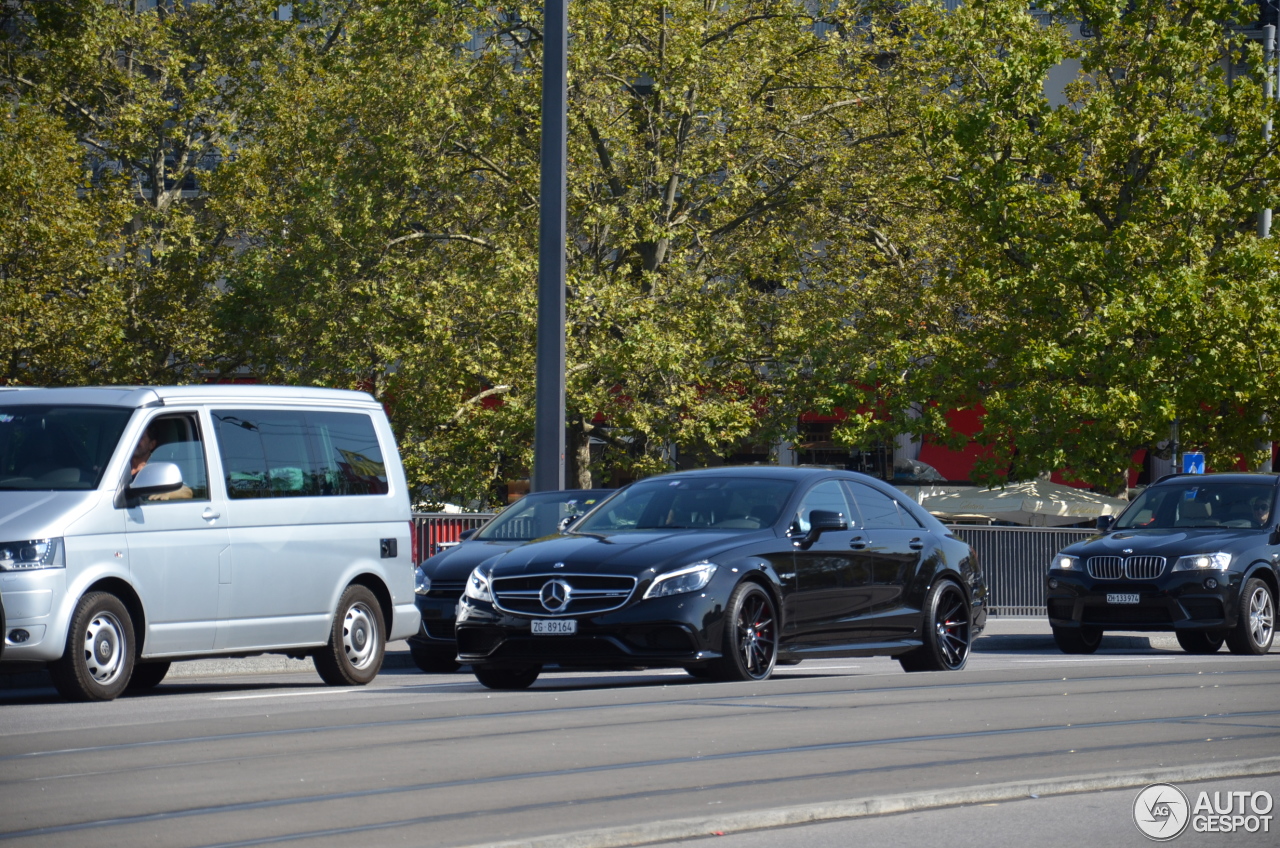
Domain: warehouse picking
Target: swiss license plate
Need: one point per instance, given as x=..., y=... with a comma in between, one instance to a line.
x=1121, y=598
x=554, y=626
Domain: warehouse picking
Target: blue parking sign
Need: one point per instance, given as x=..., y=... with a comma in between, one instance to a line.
x=1193, y=463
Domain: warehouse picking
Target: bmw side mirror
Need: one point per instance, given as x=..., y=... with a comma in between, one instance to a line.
x=467, y=534
x=822, y=521
x=566, y=521
x=1106, y=522
x=155, y=478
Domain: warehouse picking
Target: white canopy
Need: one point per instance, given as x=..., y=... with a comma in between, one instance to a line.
x=1036, y=503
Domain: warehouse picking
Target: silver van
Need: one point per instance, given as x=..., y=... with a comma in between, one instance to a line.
x=143, y=525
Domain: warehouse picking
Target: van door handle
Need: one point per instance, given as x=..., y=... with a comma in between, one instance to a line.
x=916, y=544
x=858, y=543
x=210, y=515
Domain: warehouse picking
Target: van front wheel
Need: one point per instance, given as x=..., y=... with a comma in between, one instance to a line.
x=98, y=659
x=357, y=642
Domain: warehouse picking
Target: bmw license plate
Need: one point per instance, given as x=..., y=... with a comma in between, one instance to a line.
x=554, y=626
x=1121, y=598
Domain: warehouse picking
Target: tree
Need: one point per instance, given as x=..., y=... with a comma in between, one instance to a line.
x=61, y=309
x=156, y=97
x=1105, y=278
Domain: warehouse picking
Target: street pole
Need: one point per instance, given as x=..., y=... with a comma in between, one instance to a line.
x=1268, y=54
x=549, y=422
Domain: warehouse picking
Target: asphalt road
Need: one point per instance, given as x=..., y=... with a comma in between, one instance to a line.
x=619, y=759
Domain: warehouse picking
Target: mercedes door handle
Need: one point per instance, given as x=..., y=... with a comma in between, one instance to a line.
x=916, y=544
x=210, y=515
x=858, y=543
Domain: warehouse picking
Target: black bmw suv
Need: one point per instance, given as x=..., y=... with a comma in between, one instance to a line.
x=1195, y=554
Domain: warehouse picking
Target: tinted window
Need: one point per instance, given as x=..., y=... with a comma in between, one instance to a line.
x=692, y=503
x=288, y=453
x=878, y=509
x=535, y=516
x=828, y=496
x=57, y=448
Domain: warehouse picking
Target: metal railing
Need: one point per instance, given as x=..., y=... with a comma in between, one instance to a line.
x=1014, y=559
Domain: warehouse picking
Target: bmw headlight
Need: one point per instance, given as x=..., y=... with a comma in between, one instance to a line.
x=478, y=587
x=1219, y=561
x=691, y=578
x=421, y=582
x=1062, y=562
x=32, y=554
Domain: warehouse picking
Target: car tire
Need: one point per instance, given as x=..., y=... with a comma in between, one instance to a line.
x=1078, y=640
x=750, y=642
x=507, y=677
x=433, y=662
x=147, y=675
x=1200, y=641
x=946, y=630
x=1256, y=620
x=357, y=640
x=99, y=655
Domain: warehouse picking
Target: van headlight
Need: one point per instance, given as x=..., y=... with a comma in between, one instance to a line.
x=1219, y=561
x=691, y=578
x=421, y=582
x=478, y=587
x=1063, y=562
x=32, y=554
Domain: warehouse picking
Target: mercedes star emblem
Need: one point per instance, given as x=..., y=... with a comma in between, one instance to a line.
x=555, y=595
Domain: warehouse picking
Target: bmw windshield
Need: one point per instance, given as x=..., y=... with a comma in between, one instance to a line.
x=1200, y=503
x=535, y=516
x=691, y=503
x=57, y=448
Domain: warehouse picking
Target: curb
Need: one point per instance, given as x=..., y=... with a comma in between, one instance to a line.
x=658, y=832
x=264, y=664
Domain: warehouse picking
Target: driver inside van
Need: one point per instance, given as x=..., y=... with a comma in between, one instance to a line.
x=141, y=455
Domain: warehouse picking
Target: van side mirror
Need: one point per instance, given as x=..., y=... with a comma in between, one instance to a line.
x=1106, y=522
x=1275, y=536
x=822, y=521
x=155, y=478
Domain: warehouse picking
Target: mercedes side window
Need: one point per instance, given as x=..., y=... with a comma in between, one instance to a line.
x=880, y=510
x=829, y=496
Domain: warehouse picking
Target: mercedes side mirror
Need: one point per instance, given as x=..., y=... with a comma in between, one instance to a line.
x=822, y=521
x=155, y=478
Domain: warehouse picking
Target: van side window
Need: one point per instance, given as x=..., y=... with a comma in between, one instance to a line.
x=176, y=439
x=287, y=453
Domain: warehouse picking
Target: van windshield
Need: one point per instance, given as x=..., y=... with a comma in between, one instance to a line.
x=57, y=448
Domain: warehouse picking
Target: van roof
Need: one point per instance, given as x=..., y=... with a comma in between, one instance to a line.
x=142, y=396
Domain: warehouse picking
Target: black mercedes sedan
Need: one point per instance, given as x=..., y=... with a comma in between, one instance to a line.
x=439, y=579
x=1195, y=554
x=727, y=572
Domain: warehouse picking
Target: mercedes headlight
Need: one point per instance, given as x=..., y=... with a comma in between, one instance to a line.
x=1219, y=561
x=691, y=578
x=32, y=554
x=421, y=582
x=478, y=587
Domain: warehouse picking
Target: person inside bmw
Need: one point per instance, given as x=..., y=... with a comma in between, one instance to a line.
x=1261, y=512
